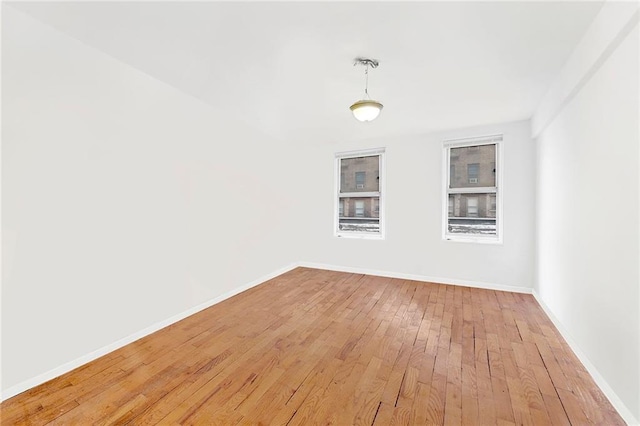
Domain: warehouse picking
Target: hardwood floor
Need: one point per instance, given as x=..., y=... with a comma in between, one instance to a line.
x=315, y=346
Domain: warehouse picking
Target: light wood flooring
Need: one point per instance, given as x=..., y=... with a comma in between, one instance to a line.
x=320, y=347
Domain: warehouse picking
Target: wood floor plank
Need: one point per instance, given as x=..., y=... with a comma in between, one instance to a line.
x=326, y=347
x=486, y=406
x=470, y=409
x=453, y=402
x=384, y=414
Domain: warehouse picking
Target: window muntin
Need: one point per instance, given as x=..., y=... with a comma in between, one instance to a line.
x=359, y=204
x=471, y=205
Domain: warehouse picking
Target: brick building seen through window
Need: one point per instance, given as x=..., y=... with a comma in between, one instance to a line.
x=472, y=190
x=359, y=194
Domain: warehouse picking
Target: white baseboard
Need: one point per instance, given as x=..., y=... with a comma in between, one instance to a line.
x=65, y=368
x=617, y=403
x=414, y=277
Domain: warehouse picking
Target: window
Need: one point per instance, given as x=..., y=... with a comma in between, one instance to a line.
x=472, y=172
x=471, y=207
x=359, y=211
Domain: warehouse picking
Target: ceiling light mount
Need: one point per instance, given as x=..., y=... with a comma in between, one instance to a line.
x=373, y=63
x=366, y=109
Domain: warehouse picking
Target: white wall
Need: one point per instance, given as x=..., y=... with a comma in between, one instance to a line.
x=414, y=244
x=125, y=201
x=588, y=205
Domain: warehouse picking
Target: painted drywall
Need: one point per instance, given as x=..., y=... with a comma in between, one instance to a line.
x=588, y=232
x=125, y=201
x=610, y=25
x=413, y=205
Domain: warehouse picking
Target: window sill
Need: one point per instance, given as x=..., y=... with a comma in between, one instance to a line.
x=360, y=236
x=473, y=240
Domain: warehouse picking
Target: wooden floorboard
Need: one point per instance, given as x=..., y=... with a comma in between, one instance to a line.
x=323, y=347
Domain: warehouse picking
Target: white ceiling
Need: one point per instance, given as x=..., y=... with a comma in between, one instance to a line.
x=287, y=67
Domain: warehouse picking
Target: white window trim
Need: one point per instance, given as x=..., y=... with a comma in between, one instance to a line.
x=498, y=140
x=381, y=194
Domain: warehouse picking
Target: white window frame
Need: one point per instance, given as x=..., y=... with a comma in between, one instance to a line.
x=497, y=140
x=380, y=194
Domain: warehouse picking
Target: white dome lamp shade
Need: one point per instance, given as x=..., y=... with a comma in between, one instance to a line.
x=366, y=109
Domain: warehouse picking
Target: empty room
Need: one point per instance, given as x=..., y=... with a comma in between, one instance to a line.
x=299, y=213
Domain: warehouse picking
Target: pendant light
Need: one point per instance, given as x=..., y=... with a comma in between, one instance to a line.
x=366, y=109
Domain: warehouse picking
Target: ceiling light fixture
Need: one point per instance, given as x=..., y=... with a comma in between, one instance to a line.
x=366, y=109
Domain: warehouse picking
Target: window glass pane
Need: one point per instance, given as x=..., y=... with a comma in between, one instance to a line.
x=360, y=174
x=479, y=161
x=360, y=214
x=472, y=214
